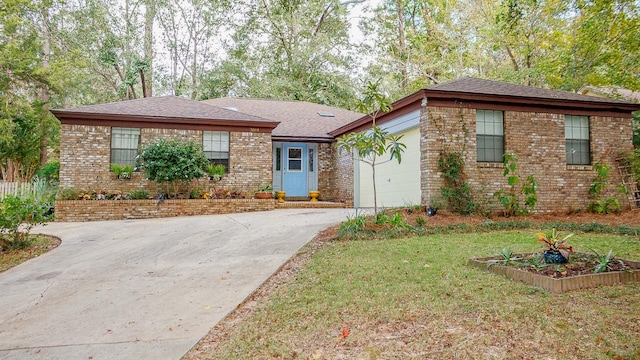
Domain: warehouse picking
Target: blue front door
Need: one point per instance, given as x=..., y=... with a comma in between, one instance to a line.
x=295, y=169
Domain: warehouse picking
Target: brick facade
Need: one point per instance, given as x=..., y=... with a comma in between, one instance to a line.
x=85, y=152
x=335, y=177
x=537, y=139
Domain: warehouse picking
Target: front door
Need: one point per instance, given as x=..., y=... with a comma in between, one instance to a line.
x=295, y=170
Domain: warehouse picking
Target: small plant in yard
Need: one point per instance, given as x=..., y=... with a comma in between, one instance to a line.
x=138, y=195
x=507, y=257
x=19, y=214
x=509, y=198
x=605, y=261
x=537, y=263
x=600, y=204
x=456, y=190
x=556, y=246
x=353, y=224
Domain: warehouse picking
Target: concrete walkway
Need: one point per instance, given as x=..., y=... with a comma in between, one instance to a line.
x=144, y=289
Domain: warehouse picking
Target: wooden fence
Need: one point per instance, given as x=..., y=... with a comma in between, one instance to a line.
x=14, y=188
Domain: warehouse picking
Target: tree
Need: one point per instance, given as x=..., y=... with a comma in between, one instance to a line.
x=189, y=31
x=416, y=43
x=172, y=163
x=290, y=50
x=372, y=144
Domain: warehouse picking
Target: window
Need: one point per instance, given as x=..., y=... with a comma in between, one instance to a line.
x=490, y=135
x=124, y=145
x=576, y=133
x=216, y=147
x=311, y=160
x=294, y=161
x=278, y=159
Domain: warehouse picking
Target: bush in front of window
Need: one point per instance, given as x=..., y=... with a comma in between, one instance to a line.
x=172, y=163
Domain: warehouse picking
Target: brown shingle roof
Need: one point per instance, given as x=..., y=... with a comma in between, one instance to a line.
x=162, y=107
x=496, y=93
x=471, y=85
x=299, y=120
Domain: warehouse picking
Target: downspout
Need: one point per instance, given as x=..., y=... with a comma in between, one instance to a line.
x=424, y=165
x=356, y=181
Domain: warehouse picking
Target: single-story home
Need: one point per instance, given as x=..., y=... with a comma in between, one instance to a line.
x=557, y=136
x=283, y=143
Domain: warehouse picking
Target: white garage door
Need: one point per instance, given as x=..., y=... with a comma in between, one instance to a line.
x=397, y=184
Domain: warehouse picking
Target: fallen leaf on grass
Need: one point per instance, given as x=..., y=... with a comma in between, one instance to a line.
x=343, y=335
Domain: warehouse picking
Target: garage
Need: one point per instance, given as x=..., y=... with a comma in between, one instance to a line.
x=397, y=184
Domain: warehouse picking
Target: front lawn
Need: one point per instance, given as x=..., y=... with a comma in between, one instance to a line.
x=417, y=298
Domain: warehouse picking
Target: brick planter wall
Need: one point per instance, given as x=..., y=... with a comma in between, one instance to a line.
x=93, y=210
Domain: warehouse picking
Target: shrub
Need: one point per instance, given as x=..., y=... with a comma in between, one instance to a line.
x=172, y=162
x=196, y=193
x=509, y=198
x=50, y=171
x=68, y=194
x=138, y=195
x=599, y=204
x=24, y=212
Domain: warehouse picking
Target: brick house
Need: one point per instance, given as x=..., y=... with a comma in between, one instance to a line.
x=557, y=136
x=284, y=143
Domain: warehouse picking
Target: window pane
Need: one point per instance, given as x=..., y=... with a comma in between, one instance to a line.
x=577, y=140
x=311, y=160
x=489, y=135
x=216, y=147
x=278, y=159
x=295, y=165
x=124, y=145
x=294, y=161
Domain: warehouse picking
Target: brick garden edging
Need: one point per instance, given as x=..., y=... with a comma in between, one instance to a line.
x=93, y=210
x=562, y=285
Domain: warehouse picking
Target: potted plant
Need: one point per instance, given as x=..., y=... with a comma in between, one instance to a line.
x=216, y=171
x=264, y=192
x=122, y=171
x=557, y=251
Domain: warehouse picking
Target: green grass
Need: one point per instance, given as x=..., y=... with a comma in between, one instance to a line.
x=417, y=298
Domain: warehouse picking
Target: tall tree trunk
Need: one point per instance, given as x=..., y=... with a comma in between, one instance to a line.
x=43, y=92
x=402, y=45
x=149, y=17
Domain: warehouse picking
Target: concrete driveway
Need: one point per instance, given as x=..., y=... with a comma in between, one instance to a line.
x=144, y=289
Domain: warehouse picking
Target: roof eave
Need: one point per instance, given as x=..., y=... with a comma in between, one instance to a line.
x=312, y=139
x=381, y=117
x=527, y=100
x=92, y=118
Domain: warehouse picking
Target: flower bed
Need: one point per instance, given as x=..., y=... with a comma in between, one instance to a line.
x=555, y=284
x=92, y=210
